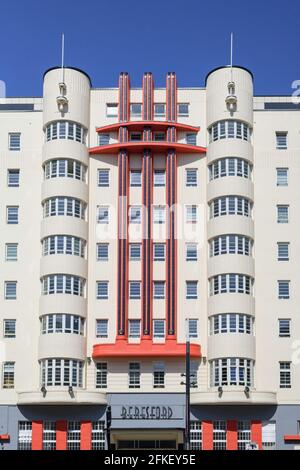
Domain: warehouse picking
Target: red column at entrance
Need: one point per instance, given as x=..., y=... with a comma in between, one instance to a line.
x=231, y=436
x=61, y=435
x=207, y=435
x=86, y=435
x=37, y=435
x=256, y=433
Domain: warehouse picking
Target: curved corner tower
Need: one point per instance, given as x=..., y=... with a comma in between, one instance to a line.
x=64, y=229
x=230, y=229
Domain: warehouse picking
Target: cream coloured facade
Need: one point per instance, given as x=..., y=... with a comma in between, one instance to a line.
x=100, y=281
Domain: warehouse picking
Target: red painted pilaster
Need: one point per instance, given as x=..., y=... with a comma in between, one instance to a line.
x=61, y=435
x=86, y=435
x=256, y=433
x=37, y=435
x=207, y=435
x=231, y=436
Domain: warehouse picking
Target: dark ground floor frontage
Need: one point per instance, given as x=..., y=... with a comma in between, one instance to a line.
x=148, y=421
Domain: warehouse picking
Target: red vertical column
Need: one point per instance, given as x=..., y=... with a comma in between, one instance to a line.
x=207, y=435
x=122, y=294
x=256, y=433
x=123, y=193
x=231, y=436
x=148, y=93
x=37, y=435
x=171, y=245
x=61, y=435
x=147, y=246
x=86, y=435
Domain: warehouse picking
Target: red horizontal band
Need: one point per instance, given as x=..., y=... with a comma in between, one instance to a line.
x=121, y=348
x=140, y=145
x=155, y=125
x=292, y=438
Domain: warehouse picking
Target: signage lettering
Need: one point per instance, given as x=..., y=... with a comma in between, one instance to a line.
x=147, y=412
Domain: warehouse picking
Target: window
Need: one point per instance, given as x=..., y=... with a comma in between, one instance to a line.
x=65, y=168
x=102, y=328
x=10, y=290
x=73, y=436
x=284, y=327
x=284, y=374
x=282, y=176
x=231, y=283
x=191, y=177
x=283, y=289
x=193, y=328
x=101, y=375
x=282, y=251
x=65, y=206
x=24, y=435
x=135, y=136
x=11, y=252
x=191, y=139
x=183, y=109
x=134, y=290
x=281, y=140
x=195, y=435
x=159, y=214
x=8, y=380
x=191, y=252
x=158, y=329
x=111, y=109
x=102, y=251
x=158, y=375
x=229, y=130
x=13, y=178
x=231, y=371
x=49, y=435
x=135, y=178
x=134, y=328
x=136, y=109
x=244, y=434
x=134, y=375
x=231, y=244
x=61, y=372
x=191, y=214
x=231, y=323
x=268, y=435
x=63, y=284
x=159, y=250
x=62, y=323
x=159, y=136
x=230, y=205
x=191, y=290
x=63, y=245
x=230, y=166
x=102, y=290
x=103, y=178
x=159, y=178
x=134, y=251
x=98, y=435
x=219, y=435
x=158, y=289
x=194, y=374
x=103, y=139
x=14, y=141
x=159, y=109
x=9, y=328
x=12, y=215
x=135, y=214
x=103, y=214
x=282, y=214
x=65, y=130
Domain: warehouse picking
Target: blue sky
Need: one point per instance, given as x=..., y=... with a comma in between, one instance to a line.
x=190, y=37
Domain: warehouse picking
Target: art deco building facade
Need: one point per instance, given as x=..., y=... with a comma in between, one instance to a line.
x=131, y=217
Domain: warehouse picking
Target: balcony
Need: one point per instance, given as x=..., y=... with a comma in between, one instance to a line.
x=154, y=125
x=140, y=145
x=146, y=348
